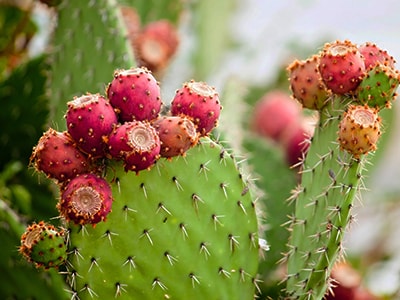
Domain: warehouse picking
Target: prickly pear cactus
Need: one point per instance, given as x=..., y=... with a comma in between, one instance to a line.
x=332, y=172
x=187, y=228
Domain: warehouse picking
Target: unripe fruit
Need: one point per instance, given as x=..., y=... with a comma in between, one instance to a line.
x=137, y=143
x=306, y=83
x=359, y=130
x=57, y=155
x=135, y=95
x=44, y=245
x=199, y=102
x=273, y=113
x=341, y=66
x=86, y=199
x=90, y=118
x=177, y=135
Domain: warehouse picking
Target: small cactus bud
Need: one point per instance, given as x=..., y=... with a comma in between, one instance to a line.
x=137, y=143
x=306, y=83
x=177, y=135
x=199, y=102
x=341, y=66
x=44, y=245
x=359, y=130
x=57, y=155
x=135, y=95
x=89, y=119
x=86, y=199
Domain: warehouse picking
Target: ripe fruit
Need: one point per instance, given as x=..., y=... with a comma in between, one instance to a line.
x=57, y=155
x=359, y=130
x=135, y=95
x=199, y=102
x=90, y=118
x=341, y=66
x=86, y=199
x=177, y=134
x=373, y=55
x=273, y=113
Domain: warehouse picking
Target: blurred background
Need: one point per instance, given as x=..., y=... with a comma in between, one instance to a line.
x=242, y=47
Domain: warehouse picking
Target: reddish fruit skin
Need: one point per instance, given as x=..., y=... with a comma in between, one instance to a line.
x=137, y=143
x=90, y=118
x=306, y=83
x=359, y=130
x=57, y=155
x=273, y=113
x=177, y=135
x=86, y=199
x=373, y=55
x=156, y=44
x=341, y=66
x=199, y=102
x=135, y=95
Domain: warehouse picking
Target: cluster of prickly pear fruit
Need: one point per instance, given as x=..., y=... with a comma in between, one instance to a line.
x=347, y=85
x=154, y=208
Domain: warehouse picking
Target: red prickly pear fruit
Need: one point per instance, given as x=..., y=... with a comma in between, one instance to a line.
x=373, y=55
x=341, y=66
x=156, y=44
x=296, y=140
x=177, y=134
x=359, y=130
x=137, y=143
x=347, y=282
x=135, y=95
x=44, y=245
x=86, y=199
x=90, y=118
x=273, y=113
x=57, y=156
x=199, y=102
x=306, y=83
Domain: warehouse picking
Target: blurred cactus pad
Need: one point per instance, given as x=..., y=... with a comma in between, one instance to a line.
x=106, y=195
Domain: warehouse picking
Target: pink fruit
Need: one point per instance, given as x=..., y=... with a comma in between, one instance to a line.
x=86, y=199
x=199, y=102
x=90, y=118
x=359, y=130
x=57, y=155
x=306, y=83
x=341, y=66
x=177, y=135
x=135, y=95
x=273, y=113
x=137, y=143
x=156, y=44
x=373, y=55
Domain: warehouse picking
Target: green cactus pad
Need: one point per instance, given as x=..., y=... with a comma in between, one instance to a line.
x=186, y=229
x=378, y=88
x=323, y=199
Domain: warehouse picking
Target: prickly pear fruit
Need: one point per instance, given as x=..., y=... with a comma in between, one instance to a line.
x=156, y=44
x=199, y=102
x=306, y=83
x=135, y=95
x=373, y=55
x=57, y=155
x=137, y=143
x=274, y=113
x=186, y=229
x=341, y=66
x=86, y=199
x=359, y=130
x=44, y=245
x=378, y=88
x=177, y=134
x=90, y=118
